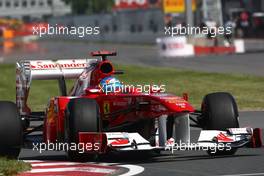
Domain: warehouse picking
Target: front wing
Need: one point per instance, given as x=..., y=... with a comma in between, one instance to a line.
x=123, y=141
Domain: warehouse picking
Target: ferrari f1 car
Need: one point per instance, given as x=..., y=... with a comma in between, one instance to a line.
x=126, y=120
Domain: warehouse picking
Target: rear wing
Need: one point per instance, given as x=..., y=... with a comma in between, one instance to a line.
x=29, y=70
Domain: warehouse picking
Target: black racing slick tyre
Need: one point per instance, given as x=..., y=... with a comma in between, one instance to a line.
x=219, y=112
x=11, y=131
x=82, y=115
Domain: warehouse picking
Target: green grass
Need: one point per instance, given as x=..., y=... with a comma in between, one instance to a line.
x=12, y=167
x=246, y=89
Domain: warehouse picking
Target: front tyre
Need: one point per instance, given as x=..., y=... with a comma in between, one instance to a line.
x=82, y=115
x=219, y=112
x=11, y=131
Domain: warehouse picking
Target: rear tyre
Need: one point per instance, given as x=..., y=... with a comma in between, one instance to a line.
x=82, y=115
x=11, y=131
x=219, y=112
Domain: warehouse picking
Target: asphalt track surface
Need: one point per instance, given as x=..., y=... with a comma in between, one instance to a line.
x=245, y=162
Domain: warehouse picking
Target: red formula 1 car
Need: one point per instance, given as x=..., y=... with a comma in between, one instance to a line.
x=92, y=120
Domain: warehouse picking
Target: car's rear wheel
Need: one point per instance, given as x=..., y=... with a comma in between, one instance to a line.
x=82, y=115
x=219, y=112
x=11, y=131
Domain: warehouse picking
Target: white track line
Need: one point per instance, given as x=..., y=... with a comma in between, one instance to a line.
x=133, y=169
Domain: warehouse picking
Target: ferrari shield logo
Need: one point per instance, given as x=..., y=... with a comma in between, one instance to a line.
x=106, y=107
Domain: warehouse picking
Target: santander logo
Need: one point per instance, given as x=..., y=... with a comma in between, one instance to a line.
x=43, y=65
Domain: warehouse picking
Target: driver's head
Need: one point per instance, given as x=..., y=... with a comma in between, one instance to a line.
x=110, y=84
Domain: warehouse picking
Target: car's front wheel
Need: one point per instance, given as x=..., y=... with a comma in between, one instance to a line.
x=219, y=112
x=82, y=115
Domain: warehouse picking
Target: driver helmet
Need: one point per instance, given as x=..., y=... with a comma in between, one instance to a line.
x=110, y=84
